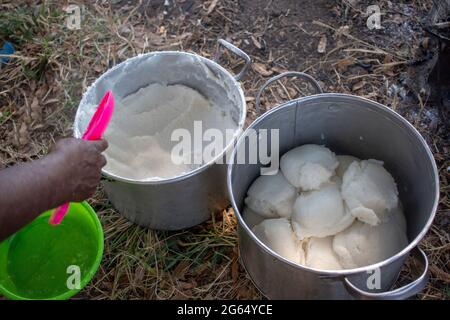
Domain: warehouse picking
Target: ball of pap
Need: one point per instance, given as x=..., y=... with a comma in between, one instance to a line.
x=309, y=166
x=320, y=213
x=271, y=196
x=278, y=235
x=362, y=244
x=369, y=191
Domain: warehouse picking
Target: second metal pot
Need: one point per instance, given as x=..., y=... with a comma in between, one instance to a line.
x=348, y=125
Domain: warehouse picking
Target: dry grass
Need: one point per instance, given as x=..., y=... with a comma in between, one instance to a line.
x=41, y=87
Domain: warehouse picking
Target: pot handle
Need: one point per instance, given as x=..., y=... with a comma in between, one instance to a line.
x=404, y=292
x=222, y=43
x=302, y=75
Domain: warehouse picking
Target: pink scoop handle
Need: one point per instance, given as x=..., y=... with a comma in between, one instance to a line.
x=100, y=120
x=94, y=131
x=59, y=213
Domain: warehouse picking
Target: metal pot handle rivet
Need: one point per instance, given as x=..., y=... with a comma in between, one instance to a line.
x=404, y=292
x=236, y=51
x=301, y=75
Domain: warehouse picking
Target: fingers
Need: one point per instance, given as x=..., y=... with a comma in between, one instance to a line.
x=83, y=162
x=93, y=157
x=100, y=145
x=78, y=145
x=101, y=161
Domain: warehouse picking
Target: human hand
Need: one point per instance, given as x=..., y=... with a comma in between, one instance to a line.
x=78, y=165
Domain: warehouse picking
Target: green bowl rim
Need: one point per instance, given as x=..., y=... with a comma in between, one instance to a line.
x=87, y=278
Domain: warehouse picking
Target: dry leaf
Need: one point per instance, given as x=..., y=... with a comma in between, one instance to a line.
x=32, y=86
x=279, y=70
x=180, y=270
x=35, y=105
x=124, y=29
x=342, y=31
x=139, y=274
x=440, y=274
x=36, y=112
x=322, y=44
x=50, y=101
x=98, y=68
x=281, y=93
x=27, y=118
x=256, y=43
x=155, y=39
x=388, y=59
x=389, y=72
x=358, y=85
x=292, y=92
x=261, y=69
x=343, y=64
x=41, y=91
x=426, y=43
x=244, y=293
x=212, y=6
x=24, y=136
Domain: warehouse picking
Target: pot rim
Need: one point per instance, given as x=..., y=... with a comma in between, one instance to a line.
x=228, y=147
x=345, y=272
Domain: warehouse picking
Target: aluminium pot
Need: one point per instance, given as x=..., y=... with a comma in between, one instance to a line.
x=188, y=199
x=352, y=125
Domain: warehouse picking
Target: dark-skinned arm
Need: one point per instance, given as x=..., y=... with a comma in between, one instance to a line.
x=70, y=172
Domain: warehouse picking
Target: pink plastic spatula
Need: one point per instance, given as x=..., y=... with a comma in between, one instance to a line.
x=94, y=131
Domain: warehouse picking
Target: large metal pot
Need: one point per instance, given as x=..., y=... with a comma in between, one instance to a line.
x=189, y=199
x=348, y=125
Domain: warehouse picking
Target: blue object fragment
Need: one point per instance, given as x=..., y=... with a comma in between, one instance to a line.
x=8, y=48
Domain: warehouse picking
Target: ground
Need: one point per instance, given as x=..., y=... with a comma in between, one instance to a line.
x=42, y=84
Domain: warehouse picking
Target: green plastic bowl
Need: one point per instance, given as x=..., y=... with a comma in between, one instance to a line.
x=43, y=261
